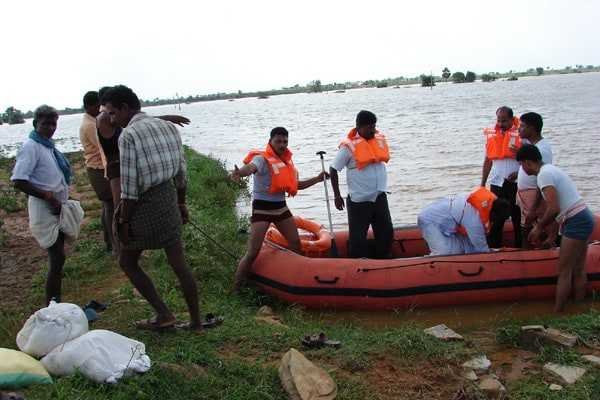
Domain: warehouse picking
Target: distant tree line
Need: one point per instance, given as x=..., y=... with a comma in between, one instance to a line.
x=469, y=76
x=14, y=116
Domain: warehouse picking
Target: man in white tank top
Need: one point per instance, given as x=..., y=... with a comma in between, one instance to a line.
x=576, y=222
x=529, y=198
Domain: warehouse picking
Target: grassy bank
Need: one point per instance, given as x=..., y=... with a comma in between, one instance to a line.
x=239, y=359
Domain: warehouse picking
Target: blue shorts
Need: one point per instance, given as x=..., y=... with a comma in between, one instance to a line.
x=580, y=226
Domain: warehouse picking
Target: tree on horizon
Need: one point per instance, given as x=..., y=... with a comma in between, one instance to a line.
x=445, y=74
x=470, y=77
x=458, y=77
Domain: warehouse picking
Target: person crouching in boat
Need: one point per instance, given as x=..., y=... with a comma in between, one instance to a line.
x=458, y=224
x=274, y=176
x=575, y=220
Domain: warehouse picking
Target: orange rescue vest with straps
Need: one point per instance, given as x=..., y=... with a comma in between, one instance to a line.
x=482, y=200
x=498, y=144
x=284, y=176
x=365, y=152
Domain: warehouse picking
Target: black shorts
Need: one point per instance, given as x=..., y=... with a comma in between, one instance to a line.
x=269, y=211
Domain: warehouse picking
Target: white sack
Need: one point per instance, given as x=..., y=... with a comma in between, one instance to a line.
x=100, y=355
x=51, y=327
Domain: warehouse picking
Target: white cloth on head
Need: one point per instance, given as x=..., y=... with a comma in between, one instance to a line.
x=45, y=226
x=36, y=164
x=364, y=184
x=566, y=190
x=501, y=169
x=438, y=223
x=525, y=181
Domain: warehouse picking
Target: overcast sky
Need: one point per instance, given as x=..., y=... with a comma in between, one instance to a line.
x=55, y=51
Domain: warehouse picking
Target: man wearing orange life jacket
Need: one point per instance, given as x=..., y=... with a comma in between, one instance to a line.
x=458, y=224
x=274, y=175
x=364, y=153
x=500, y=165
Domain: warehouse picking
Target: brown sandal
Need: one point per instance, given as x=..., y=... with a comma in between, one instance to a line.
x=151, y=324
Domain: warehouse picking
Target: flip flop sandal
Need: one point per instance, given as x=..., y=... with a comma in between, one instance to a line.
x=212, y=321
x=320, y=340
x=150, y=324
x=95, y=305
x=11, y=396
x=91, y=314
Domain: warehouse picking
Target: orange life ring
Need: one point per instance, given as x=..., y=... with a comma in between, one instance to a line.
x=317, y=243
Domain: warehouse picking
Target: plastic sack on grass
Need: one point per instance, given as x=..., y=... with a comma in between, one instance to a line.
x=18, y=370
x=50, y=327
x=100, y=355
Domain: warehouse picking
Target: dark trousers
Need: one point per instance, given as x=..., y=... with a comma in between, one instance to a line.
x=56, y=260
x=101, y=186
x=363, y=214
x=507, y=191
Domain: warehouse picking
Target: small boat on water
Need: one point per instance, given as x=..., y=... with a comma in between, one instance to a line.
x=412, y=278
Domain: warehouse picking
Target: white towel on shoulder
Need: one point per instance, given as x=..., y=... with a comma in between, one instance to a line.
x=45, y=226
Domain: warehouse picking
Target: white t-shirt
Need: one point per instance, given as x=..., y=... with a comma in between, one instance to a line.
x=36, y=163
x=364, y=184
x=501, y=169
x=525, y=181
x=568, y=195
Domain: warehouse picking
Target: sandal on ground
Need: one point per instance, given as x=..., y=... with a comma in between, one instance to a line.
x=91, y=314
x=95, y=305
x=320, y=340
x=210, y=321
x=11, y=396
x=151, y=324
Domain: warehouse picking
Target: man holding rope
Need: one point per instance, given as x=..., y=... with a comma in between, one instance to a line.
x=152, y=207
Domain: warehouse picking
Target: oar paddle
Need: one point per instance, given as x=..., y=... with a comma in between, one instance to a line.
x=333, y=250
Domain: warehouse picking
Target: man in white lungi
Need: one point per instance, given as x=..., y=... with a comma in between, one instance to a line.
x=44, y=173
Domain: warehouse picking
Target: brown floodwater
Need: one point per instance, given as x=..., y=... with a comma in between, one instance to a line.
x=435, y=136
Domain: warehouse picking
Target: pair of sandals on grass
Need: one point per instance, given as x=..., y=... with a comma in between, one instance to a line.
x=319, y=340
x=152, y=324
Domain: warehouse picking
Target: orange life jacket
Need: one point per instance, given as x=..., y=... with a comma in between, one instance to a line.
x=365, y=152
x=498, y=144
x=284, y=176
x=482, y=200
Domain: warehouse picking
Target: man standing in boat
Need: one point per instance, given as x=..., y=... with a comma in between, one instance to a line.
x=458, y=224
x=274, y=176
x=502, y=143
x=529, y=198
x=565, y=205
x=364, y=153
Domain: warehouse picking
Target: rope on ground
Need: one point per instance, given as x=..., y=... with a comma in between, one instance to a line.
x=230, y=254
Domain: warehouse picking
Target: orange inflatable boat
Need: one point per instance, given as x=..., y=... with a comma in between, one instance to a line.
x=411, y=279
